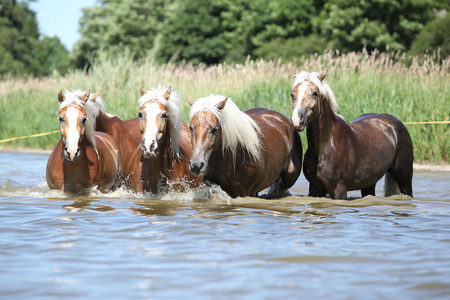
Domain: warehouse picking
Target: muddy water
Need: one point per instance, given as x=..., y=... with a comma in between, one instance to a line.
x=182, y=246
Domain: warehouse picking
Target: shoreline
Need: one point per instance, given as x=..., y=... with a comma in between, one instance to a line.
x=425, y=166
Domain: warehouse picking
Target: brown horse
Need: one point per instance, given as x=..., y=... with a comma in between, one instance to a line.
x=126, y=133
x=83, y=158
x=243, y=152
x=162, y=159
x=345, y=156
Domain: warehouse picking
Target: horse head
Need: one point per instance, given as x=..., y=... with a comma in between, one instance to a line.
x=308, y=90
x=72, y=122
x=206, y=136
x=159, y=119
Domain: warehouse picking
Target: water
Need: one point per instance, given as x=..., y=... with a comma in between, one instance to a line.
x=124, y=246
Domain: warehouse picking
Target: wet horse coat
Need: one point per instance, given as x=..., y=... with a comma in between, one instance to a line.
x=83, y=158
x=345, y=156
x=243, y=152
x=161, y=161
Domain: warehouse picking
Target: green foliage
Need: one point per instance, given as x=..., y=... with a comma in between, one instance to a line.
x=291, y=49
x=21, y=51
x=435, y=35
x=119, y=26
x=350, y=25
x=18, y=34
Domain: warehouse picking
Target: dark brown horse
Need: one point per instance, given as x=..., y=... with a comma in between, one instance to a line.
x=162, y=159
x=126, y=132
x=345, y=156
x=83, y=158
x=244, y=152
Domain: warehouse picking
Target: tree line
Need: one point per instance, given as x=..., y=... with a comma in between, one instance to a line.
x=216, y=31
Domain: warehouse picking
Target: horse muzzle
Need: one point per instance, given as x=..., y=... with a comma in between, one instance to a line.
x=197, y=167
x=299, y=120
x=71, y=156
x=149, y=151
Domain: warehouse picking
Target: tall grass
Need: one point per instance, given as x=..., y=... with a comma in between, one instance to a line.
x=363, y=82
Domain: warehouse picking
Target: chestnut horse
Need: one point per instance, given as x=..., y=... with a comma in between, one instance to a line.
x=83, y=158
x=126, y=133
x=243, y=152
x=162, y=159
x=345, y=156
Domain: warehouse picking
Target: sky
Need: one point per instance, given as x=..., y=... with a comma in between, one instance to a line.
x=60, y=18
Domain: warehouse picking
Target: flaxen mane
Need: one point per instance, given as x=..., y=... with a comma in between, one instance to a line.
x=324, y=88
x=238, y=129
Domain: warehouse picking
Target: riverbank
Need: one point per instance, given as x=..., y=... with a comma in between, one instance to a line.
x=426, y=166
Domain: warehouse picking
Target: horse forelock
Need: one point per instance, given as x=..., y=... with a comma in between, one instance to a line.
x=238, y=129
x=73, y=98
x=173, y=110
x=324, y=89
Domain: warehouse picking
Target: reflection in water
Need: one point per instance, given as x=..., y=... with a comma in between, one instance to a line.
x=202, y=244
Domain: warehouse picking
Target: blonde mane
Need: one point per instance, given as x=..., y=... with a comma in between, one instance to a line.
x=324, y=88
x=91, y=109
x=238, y=129
x=173, y=111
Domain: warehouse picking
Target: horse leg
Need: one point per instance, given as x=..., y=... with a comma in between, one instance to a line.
x=368, y=191
x=339, y=192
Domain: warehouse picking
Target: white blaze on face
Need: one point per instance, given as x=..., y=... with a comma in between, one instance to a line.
x=73, y=136
x=301, y=90
x=151, y=130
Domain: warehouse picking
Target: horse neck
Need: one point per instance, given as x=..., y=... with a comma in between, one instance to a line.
x=319, y=132
x=103, y=122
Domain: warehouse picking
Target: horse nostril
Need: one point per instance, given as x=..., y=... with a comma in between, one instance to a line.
x=152, y=146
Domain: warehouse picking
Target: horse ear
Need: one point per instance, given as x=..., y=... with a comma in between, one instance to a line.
x=221, y=104
x=322, y=76
x=167, y=93
x=190, y=100
x=85, y=97
x=142, y=91
x=61, y=97
x=94, y=97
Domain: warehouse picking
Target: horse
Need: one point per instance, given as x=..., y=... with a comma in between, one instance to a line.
x=345, y=156
x=82, y=158
x=126, y=132
x=243, y=152
x=161, y=161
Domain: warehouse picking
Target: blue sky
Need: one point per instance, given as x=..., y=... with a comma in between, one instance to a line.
x=60, y=18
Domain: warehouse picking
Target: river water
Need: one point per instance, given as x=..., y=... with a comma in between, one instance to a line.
x=204, y=245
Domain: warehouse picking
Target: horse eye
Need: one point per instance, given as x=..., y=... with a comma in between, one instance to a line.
x=84, y=120
x=61, y=119
x=292, y=95
x=139, y=114
x=164, y=115
x=214, y=131
x=315, y=93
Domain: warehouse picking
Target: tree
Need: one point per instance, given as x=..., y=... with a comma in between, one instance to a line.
x=351, y=24
x=52, y=57
x=435, y=35
x=18, y=34
x=119, y=26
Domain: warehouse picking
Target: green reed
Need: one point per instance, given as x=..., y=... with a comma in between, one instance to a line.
x=362, y=82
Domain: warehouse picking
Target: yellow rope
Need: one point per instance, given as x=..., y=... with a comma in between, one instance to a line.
x=55, y=131
x=27, y=136
x=430, y=122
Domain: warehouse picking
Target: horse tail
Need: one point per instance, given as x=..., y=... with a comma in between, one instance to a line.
x=390, y=186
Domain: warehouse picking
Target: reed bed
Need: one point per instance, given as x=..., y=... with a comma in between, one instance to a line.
x=363, y=82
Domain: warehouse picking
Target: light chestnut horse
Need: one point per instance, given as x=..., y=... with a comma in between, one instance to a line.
x=243, y=152
x=126, y=133
x=83, y=158
x=345, y=156
x=162, y=159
